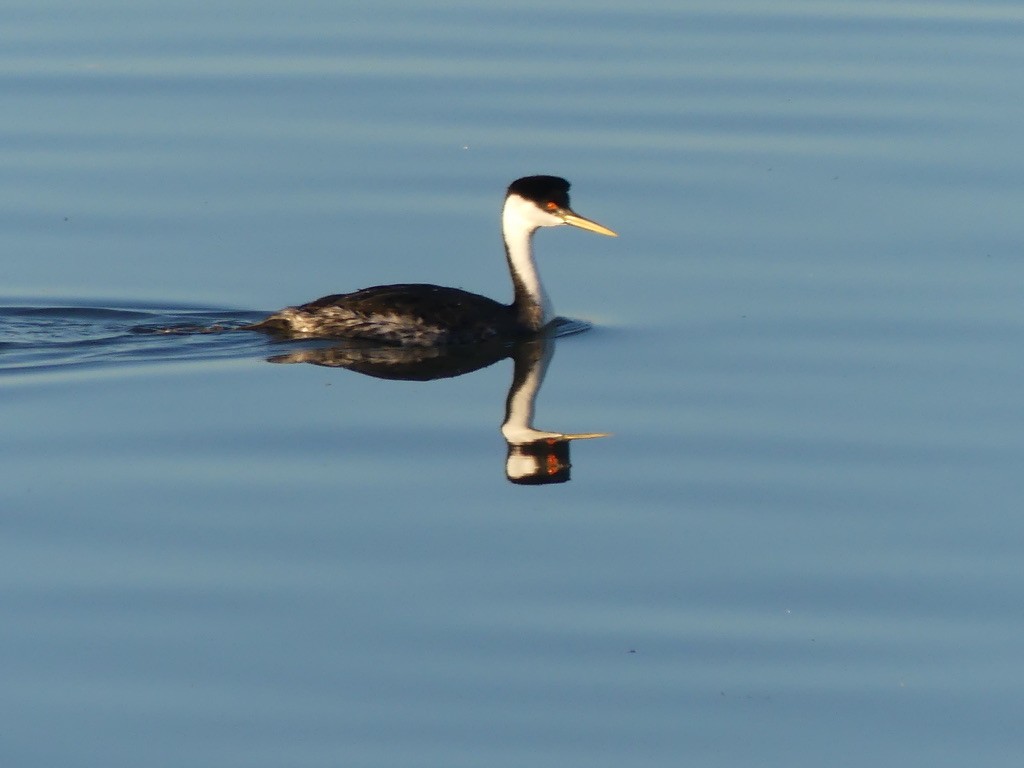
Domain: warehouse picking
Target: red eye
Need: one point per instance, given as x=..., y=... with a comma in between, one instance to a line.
x=551, y=206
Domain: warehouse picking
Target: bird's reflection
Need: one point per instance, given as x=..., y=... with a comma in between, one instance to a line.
x=534, y=456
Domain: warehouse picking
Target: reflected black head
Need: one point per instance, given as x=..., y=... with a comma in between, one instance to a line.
x=550, y=462
x=542, y=190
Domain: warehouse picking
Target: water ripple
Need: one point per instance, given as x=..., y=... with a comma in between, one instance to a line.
x=44, y=338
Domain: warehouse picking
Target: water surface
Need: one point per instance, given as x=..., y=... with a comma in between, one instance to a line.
x=799, y=546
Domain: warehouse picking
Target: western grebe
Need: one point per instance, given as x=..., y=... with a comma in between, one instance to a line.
x=417, y=314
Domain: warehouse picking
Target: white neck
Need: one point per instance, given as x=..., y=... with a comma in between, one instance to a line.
x=520, y=218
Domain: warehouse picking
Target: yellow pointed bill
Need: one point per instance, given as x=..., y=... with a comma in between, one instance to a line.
x=578, y=221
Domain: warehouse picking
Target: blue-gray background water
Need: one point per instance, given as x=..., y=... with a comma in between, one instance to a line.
x=801, y=545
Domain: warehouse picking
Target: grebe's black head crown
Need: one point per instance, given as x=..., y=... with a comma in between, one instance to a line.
x=543, y=201
x=542, y=190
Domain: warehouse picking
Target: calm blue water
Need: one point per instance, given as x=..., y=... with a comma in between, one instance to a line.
x=799, y=546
